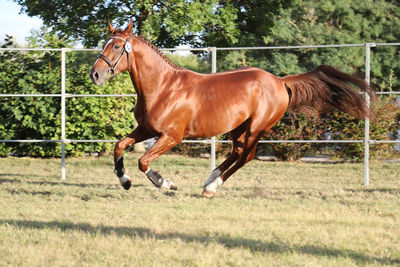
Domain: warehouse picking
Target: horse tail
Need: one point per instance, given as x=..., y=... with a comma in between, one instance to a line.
x=326, y=88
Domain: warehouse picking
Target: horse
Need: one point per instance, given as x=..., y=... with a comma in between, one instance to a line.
x=175, y=103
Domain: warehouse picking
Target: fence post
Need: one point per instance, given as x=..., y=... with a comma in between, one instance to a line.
x=213, y=139
x=366, y=129
x=63, y=139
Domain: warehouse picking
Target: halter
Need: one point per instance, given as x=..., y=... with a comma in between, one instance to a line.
x=127, y=48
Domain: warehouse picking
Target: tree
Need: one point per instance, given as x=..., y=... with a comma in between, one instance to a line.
x=167, y=23
x=254, y=20
x=326, y=22
x=323, y=22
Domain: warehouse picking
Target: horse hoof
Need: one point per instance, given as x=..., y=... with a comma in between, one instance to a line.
x=207, y=194
x=169, y=184
x=127, y=185
x=173, y=187
x=125, y=181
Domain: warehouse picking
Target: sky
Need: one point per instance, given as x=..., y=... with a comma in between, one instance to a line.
x=16, y=24
x=19, y=25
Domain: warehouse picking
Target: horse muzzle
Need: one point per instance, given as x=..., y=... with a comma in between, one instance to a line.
x=98, y=78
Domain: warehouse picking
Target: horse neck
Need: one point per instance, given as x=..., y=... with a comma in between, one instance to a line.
x=150, y=69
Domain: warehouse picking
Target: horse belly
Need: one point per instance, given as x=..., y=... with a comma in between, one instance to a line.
x=216, y=121
x=225, y=101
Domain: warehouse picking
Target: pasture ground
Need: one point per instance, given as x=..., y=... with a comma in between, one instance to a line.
x=267, y=214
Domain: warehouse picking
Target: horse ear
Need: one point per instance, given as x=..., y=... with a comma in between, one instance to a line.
x=110, y=28
x=128, y=30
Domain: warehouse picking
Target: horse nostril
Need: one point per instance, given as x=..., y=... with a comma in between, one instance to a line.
x=94, y=75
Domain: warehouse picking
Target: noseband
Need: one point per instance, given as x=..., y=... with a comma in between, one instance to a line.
x=127, y=48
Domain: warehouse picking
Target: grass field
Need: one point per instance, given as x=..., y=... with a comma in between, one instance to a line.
x=267, y=214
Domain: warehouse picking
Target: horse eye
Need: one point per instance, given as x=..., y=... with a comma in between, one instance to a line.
x=116, y=46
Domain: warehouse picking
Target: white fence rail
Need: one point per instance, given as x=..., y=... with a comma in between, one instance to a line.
x=213, y=50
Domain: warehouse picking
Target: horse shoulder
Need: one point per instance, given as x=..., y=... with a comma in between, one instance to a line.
x=140, y=111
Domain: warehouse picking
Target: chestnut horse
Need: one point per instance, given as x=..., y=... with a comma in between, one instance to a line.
x=175, y=103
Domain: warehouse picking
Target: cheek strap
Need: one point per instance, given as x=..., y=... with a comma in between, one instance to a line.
x=127, y=49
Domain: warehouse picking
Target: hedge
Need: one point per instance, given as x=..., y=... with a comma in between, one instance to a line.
x=40, y=117
x=335, y=126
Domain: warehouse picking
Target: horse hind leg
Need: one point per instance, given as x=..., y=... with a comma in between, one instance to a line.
x=253, y=133
x=214, y=180
x=247, y=154
x=238, y=136
x=236, y=151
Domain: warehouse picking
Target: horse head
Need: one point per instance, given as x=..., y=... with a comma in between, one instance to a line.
x=115, y=57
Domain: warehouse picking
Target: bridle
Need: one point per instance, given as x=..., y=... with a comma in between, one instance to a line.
x=127, y=48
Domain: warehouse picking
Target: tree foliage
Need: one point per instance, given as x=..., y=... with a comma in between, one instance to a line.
x=37, y=72
x=167, y=23
x=325, y=22
x=243, y=23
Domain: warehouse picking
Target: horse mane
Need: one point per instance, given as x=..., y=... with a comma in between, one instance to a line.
x=155, y=49
x=150, y=45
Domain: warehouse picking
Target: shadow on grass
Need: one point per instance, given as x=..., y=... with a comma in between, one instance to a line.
x=21, y=178
x=16, y=177
x=113, y=186
x=32, y=193
x=6, y=180
x=392, y=191
x=62, y=183
x=228, y=242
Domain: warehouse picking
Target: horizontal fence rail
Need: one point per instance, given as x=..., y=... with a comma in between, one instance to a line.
x=213, y=50
x=205, y=141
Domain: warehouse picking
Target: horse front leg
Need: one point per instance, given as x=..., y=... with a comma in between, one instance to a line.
x=163, y=144
x=138, y=135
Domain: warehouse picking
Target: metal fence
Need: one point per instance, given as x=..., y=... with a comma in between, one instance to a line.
x=213, y=50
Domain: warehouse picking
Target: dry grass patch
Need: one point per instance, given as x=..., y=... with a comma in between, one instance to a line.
x=269, y=213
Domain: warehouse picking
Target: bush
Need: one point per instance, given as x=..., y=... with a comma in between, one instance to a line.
x=338, y=126
x=294, y=127
x=40, y=117
x=383, y=127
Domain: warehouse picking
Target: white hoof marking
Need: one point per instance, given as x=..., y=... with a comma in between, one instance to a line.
x=124, y=179
x=212, y=187
x=214, y=174
x=168, y=183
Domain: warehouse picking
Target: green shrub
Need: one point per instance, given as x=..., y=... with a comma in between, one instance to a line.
x=294, y=127
x=340, y=127
x=40, y=117
x=383, y=127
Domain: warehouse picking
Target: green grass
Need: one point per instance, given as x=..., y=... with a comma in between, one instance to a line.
x=267, y=214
